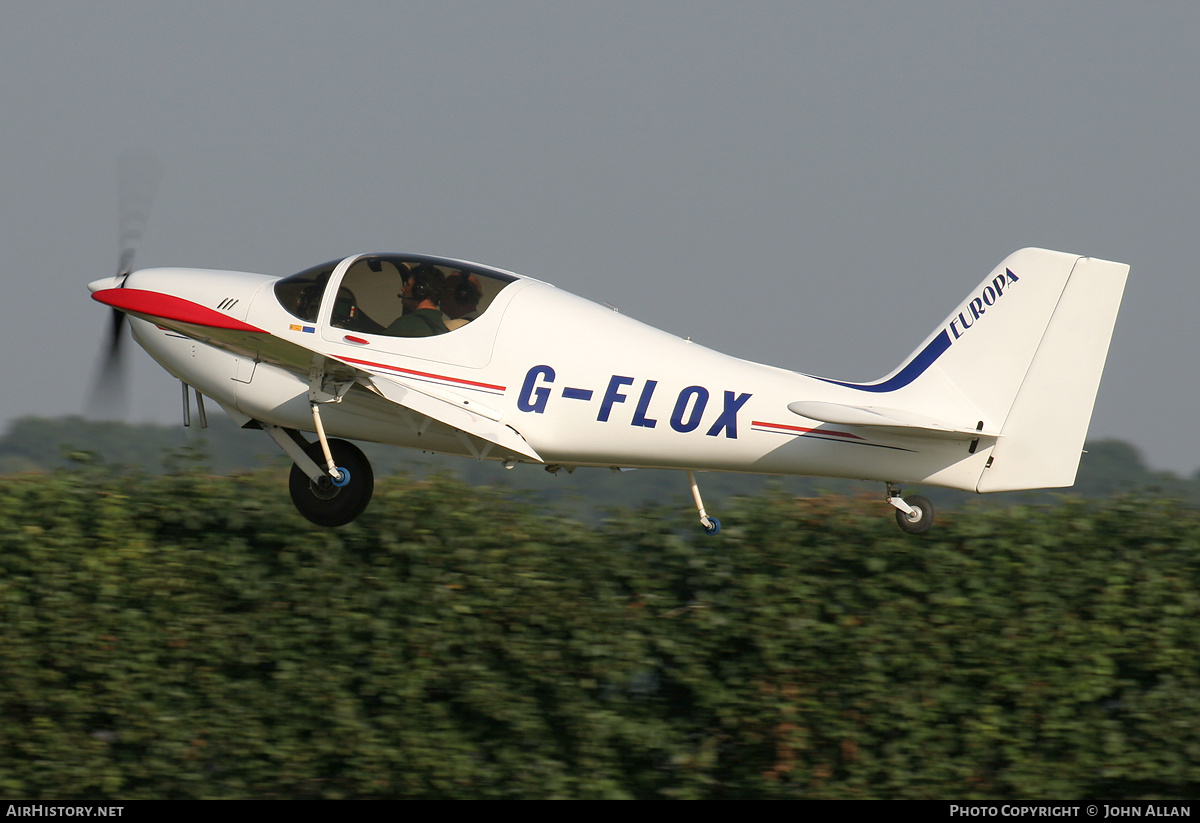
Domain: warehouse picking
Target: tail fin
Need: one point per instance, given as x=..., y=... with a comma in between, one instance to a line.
x=1044, y=431
x=1020, y=358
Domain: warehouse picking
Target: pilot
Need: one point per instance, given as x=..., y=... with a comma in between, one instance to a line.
x=422, y=297
x=460, y=299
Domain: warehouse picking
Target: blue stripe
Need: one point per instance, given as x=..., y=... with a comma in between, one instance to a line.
x=915, y=368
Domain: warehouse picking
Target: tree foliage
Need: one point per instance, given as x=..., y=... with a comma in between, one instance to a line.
x=184, y=636
x=35, y=444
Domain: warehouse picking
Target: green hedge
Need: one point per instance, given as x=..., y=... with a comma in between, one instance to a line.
x=190, y=636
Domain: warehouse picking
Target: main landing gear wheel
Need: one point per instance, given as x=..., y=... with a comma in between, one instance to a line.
x=327, y=502
x=922, y=517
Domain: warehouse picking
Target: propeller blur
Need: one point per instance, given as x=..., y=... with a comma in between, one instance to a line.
x=138, y=176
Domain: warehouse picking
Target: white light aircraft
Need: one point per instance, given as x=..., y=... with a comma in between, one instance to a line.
x=455, y=357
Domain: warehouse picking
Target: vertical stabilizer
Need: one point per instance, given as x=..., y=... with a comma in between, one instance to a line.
x=1018, y=361
x=1043, y=435
x=972, y=365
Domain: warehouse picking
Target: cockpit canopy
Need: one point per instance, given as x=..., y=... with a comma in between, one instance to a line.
x=391, y=294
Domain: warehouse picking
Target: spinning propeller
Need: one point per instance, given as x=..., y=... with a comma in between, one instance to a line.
x=138, y=176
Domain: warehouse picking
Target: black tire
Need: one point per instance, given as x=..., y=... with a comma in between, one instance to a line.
x=325, y=504
x=919, y=523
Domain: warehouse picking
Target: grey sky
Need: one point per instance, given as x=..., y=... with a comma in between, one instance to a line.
x=810, y=185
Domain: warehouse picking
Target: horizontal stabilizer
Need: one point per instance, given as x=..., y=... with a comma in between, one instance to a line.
x=900, y=420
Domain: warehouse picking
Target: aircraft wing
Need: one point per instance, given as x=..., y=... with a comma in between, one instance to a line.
x=899, y=421
x=454, y=410
x=224, y=332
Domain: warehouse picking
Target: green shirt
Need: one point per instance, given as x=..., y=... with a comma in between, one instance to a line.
x=419, y=323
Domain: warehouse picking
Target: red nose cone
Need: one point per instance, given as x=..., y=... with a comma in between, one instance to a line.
x=155, y=305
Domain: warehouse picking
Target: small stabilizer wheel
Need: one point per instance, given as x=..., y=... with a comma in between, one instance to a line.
x=714, y=526
x=328, y=502
x=922, y=518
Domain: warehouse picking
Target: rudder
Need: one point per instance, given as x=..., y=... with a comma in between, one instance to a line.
x=1044, y=431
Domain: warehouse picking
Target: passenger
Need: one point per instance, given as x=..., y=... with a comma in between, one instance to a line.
x=460, y=300
x=422, y=297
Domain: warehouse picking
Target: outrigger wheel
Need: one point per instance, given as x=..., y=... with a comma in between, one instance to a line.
x=329, y=502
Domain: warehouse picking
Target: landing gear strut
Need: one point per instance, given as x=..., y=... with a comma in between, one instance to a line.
x=711, y=525
x=914, y=515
